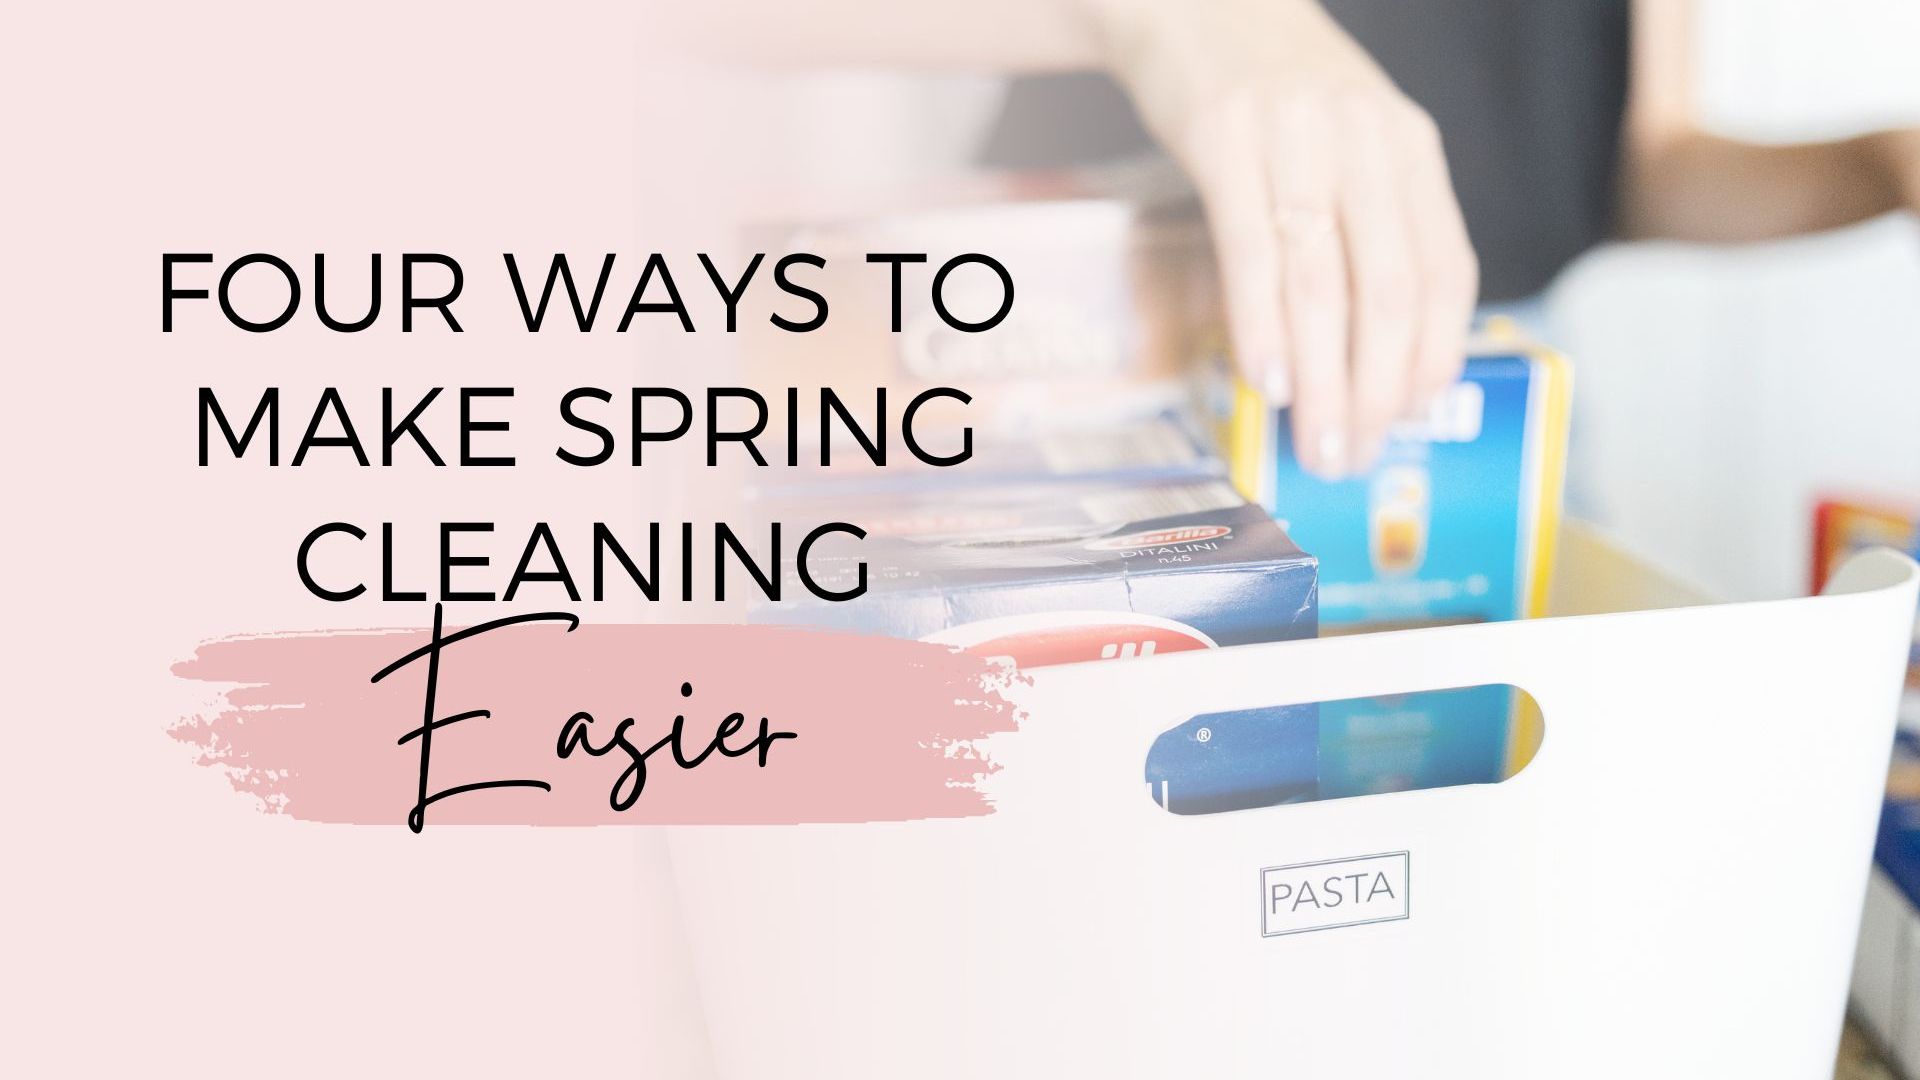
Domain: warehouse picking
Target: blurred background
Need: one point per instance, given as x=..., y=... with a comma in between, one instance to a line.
x=1777, y=371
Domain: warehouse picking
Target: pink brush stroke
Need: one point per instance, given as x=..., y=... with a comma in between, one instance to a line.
x=888, y=730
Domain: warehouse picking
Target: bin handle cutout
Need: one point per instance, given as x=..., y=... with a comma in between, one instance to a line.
x=1089, y=726
x=1245, y=759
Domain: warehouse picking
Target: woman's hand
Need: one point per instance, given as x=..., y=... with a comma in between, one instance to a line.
x=1350, y=281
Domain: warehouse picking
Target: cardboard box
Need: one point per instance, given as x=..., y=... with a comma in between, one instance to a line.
x=1114, y=297
x=1844, y=526
x=1154, y=448
x=1064, y=572
x=1456, y=522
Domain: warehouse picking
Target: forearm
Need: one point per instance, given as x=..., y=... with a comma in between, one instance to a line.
x=1697, y=186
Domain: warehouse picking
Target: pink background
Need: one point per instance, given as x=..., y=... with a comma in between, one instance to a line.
x=154, y=921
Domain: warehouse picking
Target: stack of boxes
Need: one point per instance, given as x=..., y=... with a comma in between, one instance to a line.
x=1050, y=569
x=1096, y=522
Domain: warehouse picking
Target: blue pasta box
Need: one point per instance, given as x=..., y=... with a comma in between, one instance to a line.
x=1405, y=742
x=1897, y=847
x=1456, y=522
x=1886, y=978
x=1092, y=570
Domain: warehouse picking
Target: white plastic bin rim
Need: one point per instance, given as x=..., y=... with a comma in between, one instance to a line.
x=1407, y=661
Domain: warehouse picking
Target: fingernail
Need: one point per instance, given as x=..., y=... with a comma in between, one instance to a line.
x=1279, y=387
x=1330, y=454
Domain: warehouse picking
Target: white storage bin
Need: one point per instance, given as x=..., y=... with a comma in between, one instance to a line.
x=1671, y=888
x=1880, y=960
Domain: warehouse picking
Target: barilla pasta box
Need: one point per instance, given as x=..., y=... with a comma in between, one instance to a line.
x=1408, y=742
x=1455, y=523
x=1054, y=573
